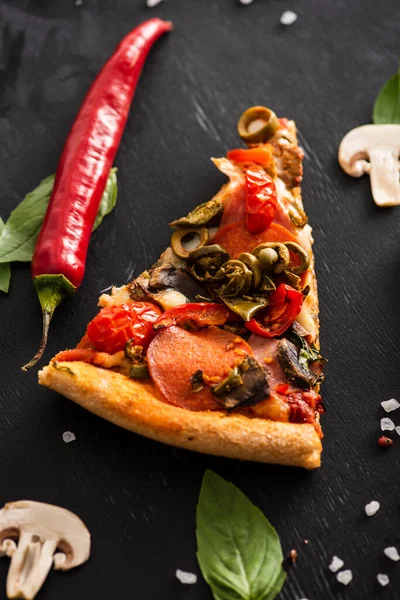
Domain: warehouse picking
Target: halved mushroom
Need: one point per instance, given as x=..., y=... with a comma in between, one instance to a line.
x=31, y=533
x=374, y=149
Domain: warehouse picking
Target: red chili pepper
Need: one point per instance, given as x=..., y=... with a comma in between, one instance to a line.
x=261, y=199
x=261, y=155
x=284, y=306
x=58, y=263
x=194, y=316
x=115, y=325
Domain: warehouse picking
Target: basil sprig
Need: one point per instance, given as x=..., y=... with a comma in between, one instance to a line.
x=18, y=236
x=239, y=552
x=387, y=104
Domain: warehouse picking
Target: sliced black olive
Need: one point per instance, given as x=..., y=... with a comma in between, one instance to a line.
x=296, y=373
x=237, y=279
x=168, y=277
x=303, y=256
x=257, y=124
x=253, y=264
x=274, y=257
x=209, y=213
x=187, y=236
x=246, y=385
x=245, y=308
x=205, y=263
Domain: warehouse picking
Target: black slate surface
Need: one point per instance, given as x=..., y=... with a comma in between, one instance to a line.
x=136, y=496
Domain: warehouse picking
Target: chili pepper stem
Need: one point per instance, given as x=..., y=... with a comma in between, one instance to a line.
x=51, y=290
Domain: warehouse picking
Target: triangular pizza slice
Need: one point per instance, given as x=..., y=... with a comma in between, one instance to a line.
x=215, y=348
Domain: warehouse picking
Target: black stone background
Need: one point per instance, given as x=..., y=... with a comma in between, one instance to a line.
x=138, y=497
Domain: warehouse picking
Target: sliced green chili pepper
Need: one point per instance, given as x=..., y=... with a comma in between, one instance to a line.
x=257, y=124
x=238, y=279
x=244, y=307
x=208, y=213
x=205, y=262
x=303, y=256
x=139, y=371
x=273, y=256
x=253, y=264
x=293, y=280
x=267, y=285
x=232, y=381
x=133, y=352
x=178, y=239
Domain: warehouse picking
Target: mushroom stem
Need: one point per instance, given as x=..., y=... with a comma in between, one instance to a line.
x=374, y=149
x=384, y=176
x=30, y=565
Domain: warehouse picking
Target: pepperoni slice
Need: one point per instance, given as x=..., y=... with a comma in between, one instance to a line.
x=236, y=239
x=175, y=355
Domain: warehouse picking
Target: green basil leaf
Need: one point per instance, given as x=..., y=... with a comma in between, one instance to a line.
x=18, y=238
x=5, y=269
x=239, y=552
x=109, y=198
x=387, y=105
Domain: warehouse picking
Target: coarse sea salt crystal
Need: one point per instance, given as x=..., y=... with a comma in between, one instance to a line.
x=344, y=577
x=397, y=430
x=68, y=437
x=382, y=579
x=153, y=3
x=389, y=405
x=387, y=424
x=372, y=508
x=246, y=2
x=186, y=577
x=336, y=564
x=392, y=553
x=288, y=17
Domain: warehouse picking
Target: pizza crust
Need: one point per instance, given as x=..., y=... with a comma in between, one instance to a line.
x=137, y=406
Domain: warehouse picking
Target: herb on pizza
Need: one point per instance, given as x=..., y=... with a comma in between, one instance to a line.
x=387, y=104
x=18, y=235
x=239, y=552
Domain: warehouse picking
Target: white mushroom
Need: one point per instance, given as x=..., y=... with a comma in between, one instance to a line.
x=374, y=149
x=39, y=530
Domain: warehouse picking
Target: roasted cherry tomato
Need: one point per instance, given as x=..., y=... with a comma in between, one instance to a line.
x=194, y=315
x=284, y=306
x=261, y=155
x=261, y=199
x=115, y=325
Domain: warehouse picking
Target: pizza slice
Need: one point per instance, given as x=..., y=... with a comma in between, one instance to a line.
x=215, y=348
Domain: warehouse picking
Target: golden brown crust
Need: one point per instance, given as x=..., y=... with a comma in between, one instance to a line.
x=137, y=406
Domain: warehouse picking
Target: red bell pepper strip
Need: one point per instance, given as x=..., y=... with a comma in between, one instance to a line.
x=261, y=199
x=261, y=155
x=284, y=306
x=58, y=263
x=113, y=326
x=194, y=316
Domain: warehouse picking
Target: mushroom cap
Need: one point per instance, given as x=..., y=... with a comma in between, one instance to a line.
x=48, y=522
x=355, y=146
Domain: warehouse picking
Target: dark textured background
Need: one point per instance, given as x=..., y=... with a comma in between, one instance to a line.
x=136, y=496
